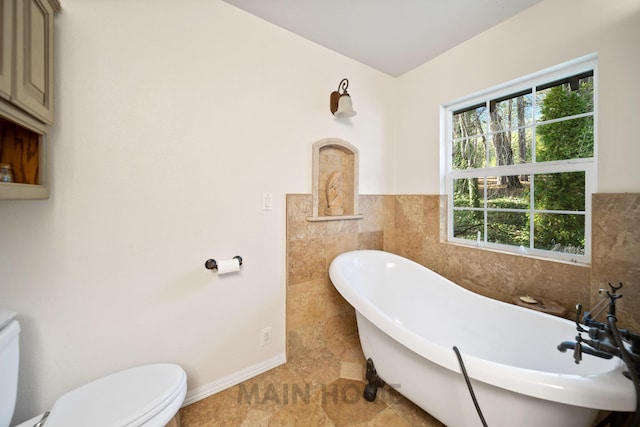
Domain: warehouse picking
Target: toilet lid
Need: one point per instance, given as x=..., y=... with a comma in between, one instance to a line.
x=126, y=398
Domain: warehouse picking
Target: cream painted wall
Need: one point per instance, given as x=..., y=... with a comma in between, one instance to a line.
x=550, y=33
x=173, y=117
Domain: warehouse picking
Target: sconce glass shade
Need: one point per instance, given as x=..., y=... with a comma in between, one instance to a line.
x=340, y=103
x=345, y=108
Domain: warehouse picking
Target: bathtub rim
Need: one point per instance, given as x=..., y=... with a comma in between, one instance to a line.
x=563, y=388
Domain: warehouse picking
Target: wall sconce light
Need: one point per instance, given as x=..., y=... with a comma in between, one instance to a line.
x=340, y=103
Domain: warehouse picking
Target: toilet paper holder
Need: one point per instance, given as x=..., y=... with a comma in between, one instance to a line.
x=211, y=263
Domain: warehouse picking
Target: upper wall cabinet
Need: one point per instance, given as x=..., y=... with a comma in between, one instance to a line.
x=26, y=95
x=27, y=38
x=6, y=44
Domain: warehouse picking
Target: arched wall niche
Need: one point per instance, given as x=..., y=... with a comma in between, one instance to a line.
x=335, y=155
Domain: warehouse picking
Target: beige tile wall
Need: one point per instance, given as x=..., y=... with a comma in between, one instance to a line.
x=317, y=316
x=616, y=251
x=412, y=226
x=419, y=236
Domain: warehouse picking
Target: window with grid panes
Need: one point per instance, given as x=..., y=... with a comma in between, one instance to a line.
x=521, y=164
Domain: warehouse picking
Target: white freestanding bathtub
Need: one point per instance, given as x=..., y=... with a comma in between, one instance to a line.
x=410, y=318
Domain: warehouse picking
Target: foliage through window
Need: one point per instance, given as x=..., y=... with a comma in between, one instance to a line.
x=521, y=165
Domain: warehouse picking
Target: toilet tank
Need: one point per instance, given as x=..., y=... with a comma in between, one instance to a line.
x=9, y=357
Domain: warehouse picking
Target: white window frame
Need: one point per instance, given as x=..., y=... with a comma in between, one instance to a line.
x=588, y=165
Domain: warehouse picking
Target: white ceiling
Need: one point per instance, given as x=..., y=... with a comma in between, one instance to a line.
x=393, y=36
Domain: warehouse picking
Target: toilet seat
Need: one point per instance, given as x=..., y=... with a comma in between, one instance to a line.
x=128, y=398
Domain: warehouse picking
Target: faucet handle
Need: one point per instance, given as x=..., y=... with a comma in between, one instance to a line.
x=579, y=327
x=577, y=351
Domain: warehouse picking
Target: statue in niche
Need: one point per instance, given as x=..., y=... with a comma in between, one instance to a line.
x=334, y=194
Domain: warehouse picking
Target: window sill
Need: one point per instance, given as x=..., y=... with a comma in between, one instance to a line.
x=516, y=254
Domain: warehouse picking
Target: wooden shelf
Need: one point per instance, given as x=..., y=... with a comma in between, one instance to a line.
x=22, y=146
x=12, y=190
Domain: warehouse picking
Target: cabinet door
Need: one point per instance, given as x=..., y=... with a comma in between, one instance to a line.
x=34, y=58
x=6, y=43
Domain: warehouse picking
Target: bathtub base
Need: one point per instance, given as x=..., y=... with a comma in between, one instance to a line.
x=444, y=394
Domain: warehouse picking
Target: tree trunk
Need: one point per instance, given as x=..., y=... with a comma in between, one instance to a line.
x=504, y=153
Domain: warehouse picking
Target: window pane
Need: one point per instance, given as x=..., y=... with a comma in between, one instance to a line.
x=508, y=192
x=470, y=122
x=508, y=228
x=568, y=139
x=521, y=145
x=468, y=192
x=501, y=151
x=510, y=148
x=559, y=232
x=467, y=224
x=563, y=100
x=469, y=153
x=560, y=191
x=511, y=113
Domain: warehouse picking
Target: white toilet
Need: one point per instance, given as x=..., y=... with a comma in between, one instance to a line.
x=146, y=396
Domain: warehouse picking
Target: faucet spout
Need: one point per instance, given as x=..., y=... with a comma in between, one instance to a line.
x=566, y=345
x=570, y=345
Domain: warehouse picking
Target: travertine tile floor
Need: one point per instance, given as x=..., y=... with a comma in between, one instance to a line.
x=319, y=387
x=303, y=393
x=295, y=395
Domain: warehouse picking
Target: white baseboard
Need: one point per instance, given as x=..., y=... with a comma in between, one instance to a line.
x=233, y=379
